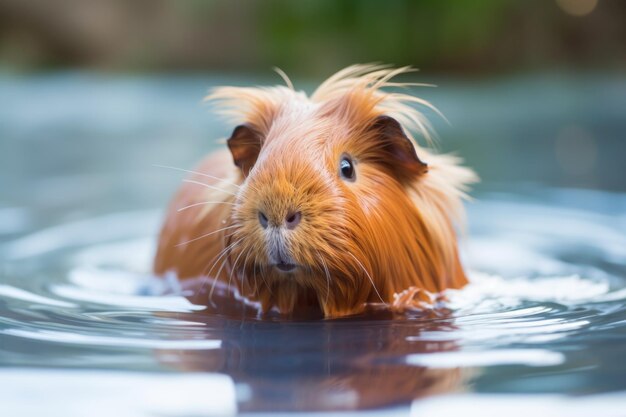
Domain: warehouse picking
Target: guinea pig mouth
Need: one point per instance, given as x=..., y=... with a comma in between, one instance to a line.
x=285, y=267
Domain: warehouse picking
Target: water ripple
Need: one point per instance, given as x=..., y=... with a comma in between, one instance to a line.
x=546, y=303
x=117, y=341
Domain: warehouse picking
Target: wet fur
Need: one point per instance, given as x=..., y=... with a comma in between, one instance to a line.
x=358, y=242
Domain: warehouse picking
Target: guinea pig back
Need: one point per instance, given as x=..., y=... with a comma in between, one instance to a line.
x=322, y=202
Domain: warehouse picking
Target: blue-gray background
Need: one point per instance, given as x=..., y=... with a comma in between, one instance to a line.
x=94, y=93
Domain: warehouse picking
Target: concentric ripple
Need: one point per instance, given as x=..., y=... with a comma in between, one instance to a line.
x=544, y=313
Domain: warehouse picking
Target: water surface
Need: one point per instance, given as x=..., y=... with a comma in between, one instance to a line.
x=85, y=326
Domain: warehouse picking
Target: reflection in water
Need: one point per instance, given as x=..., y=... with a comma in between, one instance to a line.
x=545, y=314
x=342, y=364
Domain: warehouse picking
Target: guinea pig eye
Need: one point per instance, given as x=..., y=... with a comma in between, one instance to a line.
x=346, y=168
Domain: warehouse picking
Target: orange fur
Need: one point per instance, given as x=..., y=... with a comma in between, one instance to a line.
x=358, y=242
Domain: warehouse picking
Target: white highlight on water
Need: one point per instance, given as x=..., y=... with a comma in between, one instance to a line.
x=94, y=393
x=528, y=357
x=498, y=405
x=510, y=292
x=22, y=295
x=117, y=341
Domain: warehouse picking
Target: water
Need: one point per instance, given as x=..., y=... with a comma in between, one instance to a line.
x=84, y=327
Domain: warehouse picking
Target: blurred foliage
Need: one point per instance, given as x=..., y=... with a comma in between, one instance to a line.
x=311, y=37
x=402, y=32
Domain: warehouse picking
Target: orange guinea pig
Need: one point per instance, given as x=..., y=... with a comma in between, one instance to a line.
x=329, y=204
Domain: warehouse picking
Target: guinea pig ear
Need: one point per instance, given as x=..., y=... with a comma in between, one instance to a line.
x=399, y=149
x=244, y=145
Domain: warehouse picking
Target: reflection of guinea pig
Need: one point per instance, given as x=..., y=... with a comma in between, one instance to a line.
x=330, y=203
x=326, y=365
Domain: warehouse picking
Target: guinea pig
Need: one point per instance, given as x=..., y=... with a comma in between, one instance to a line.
x=324, y=202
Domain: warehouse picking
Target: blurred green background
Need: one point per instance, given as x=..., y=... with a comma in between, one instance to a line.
x=97, y=92
x=313, y=37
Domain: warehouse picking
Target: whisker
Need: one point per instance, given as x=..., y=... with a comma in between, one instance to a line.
x=206, y=234
x=205, y=203
x=222, y=253
x=208, y=274
x=232, y=269
x=198, y=173
x=256, y=282
x=219, y=271
x=205, y=175
x=269, y=287
x=212, y=187
x=216, y=259
x=245, y=263
x=369, y=276
x=327, y=278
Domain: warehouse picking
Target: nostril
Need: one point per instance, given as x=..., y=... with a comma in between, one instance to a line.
x=293, y=219
x=263, y=219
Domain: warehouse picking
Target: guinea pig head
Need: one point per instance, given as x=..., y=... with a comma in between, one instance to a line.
x=326, y=215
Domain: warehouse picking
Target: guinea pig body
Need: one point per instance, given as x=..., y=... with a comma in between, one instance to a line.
x=323, y=202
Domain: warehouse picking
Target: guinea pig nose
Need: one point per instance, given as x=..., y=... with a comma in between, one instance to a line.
x=263, y=219
x=292, y=219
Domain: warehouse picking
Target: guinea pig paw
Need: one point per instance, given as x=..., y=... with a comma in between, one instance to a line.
x=412, y=298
